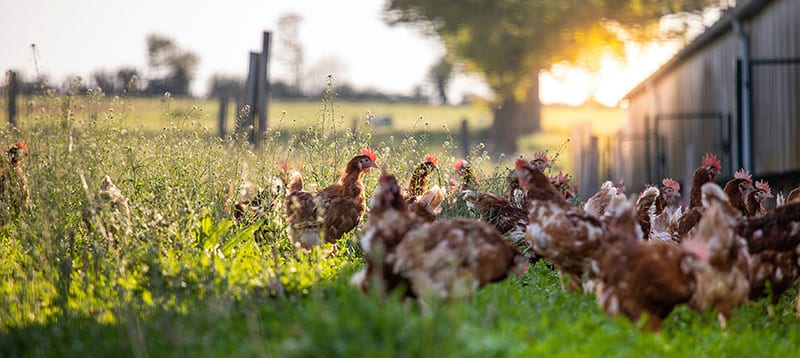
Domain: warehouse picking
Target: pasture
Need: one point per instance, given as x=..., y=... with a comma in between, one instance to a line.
x=187, y=281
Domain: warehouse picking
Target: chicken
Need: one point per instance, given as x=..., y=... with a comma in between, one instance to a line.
x=561, y=183
x=754, y=202
x=388, y=222
x=516, y=193
x=738, y=188
x=425, y=205
x=565, y=235
x=467, y=178
x=446, y=259
x=331, y=212
x=452, y=259
x=109, y=213
x=652, y=212
x=596, y=205
x=721, y=275
x=707, y=172
x=794, y=195
x=14, y=193
x=506, y=217
x=644, y=277
x=773, y=241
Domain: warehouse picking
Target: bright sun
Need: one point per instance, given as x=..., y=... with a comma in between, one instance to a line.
x=615, y=78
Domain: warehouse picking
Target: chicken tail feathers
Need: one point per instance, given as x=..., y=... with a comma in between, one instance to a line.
x=296, y=183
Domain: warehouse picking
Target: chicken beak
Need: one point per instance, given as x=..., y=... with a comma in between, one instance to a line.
x=366, y=167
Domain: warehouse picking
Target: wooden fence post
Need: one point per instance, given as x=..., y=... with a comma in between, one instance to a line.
x=262, y=105
x=12, y=89
x=245, y=122
x=222, y=114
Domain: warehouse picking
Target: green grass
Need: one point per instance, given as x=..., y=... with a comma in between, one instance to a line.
x=188, y=282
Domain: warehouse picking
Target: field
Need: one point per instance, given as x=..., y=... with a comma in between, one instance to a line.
x=186, y=281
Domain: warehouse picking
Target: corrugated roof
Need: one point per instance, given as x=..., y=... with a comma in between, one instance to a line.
x=742, y=12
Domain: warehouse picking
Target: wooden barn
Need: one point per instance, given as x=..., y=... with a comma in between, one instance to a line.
x=733, y=91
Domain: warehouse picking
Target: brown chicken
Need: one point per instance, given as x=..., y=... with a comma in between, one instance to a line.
x=721, y=276
x=563, y=234
x=754, y=202
x=506, y=217
x=652, y=212
x=446, y=259
x=331, y=212
x=424, y=204
x=737, y=190
x=389, y=221
x=644, y=277
x=516, y=194
x=773, y=241
x=706, y=173
x=794, y=195
x=14, y=193
x=596, y=205
x=467, y=179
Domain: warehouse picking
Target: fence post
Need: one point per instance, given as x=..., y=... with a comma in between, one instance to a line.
x=245, y=122
x=222, y=114
x=263, y=89
x=464, y=137
x=12, y=89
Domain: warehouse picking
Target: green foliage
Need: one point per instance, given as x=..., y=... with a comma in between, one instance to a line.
x=187, y=280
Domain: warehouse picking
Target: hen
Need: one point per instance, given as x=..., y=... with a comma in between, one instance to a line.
x=254, y=202
x=737, y=190
x=652, y=212
x=14, y=194
x=516, y=193
x=565, y=235
x=721, y=274
x=773, y=241
x=446, y=259
x=388, y=222
x=754, y=202
x=707, y=172
x=506, y=217
x=467, y=180
x=331, y=212
x=596, y=205
x=424, y=204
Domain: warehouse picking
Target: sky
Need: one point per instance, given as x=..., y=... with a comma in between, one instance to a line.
x=352, y=42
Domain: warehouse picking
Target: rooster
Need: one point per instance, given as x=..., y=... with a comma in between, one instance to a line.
x=706, y=173
x=424, y=204
x=721, y=275
x=754, y=202
x=109, y=213
x=331, y=212
x=14, y=193
x=773, y=241
x=565, y=235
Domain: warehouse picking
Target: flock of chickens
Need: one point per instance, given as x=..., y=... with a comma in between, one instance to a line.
x=641, y=255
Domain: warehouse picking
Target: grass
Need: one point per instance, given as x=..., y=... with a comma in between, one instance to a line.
x=187, y=281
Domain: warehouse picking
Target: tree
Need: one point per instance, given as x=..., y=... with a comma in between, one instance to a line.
x=291, y=50
x=508, y=42
x=172, y=68
x=440, y=75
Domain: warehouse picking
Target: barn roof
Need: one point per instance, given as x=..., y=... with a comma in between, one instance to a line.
x=742, y=12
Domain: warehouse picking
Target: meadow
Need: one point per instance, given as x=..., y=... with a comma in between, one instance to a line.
x=188, y=281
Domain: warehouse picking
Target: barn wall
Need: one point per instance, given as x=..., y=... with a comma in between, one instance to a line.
x=706, y=82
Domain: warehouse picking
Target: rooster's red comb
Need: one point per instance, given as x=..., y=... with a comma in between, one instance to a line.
x=743, y=174
x=430, y=158
x=668, y=182
x=710, y=160
x=460, y=164
x=369, y=153
x=760, y=184
x=540, y=156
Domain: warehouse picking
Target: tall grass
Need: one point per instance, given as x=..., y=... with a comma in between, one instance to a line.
x=186, y=280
